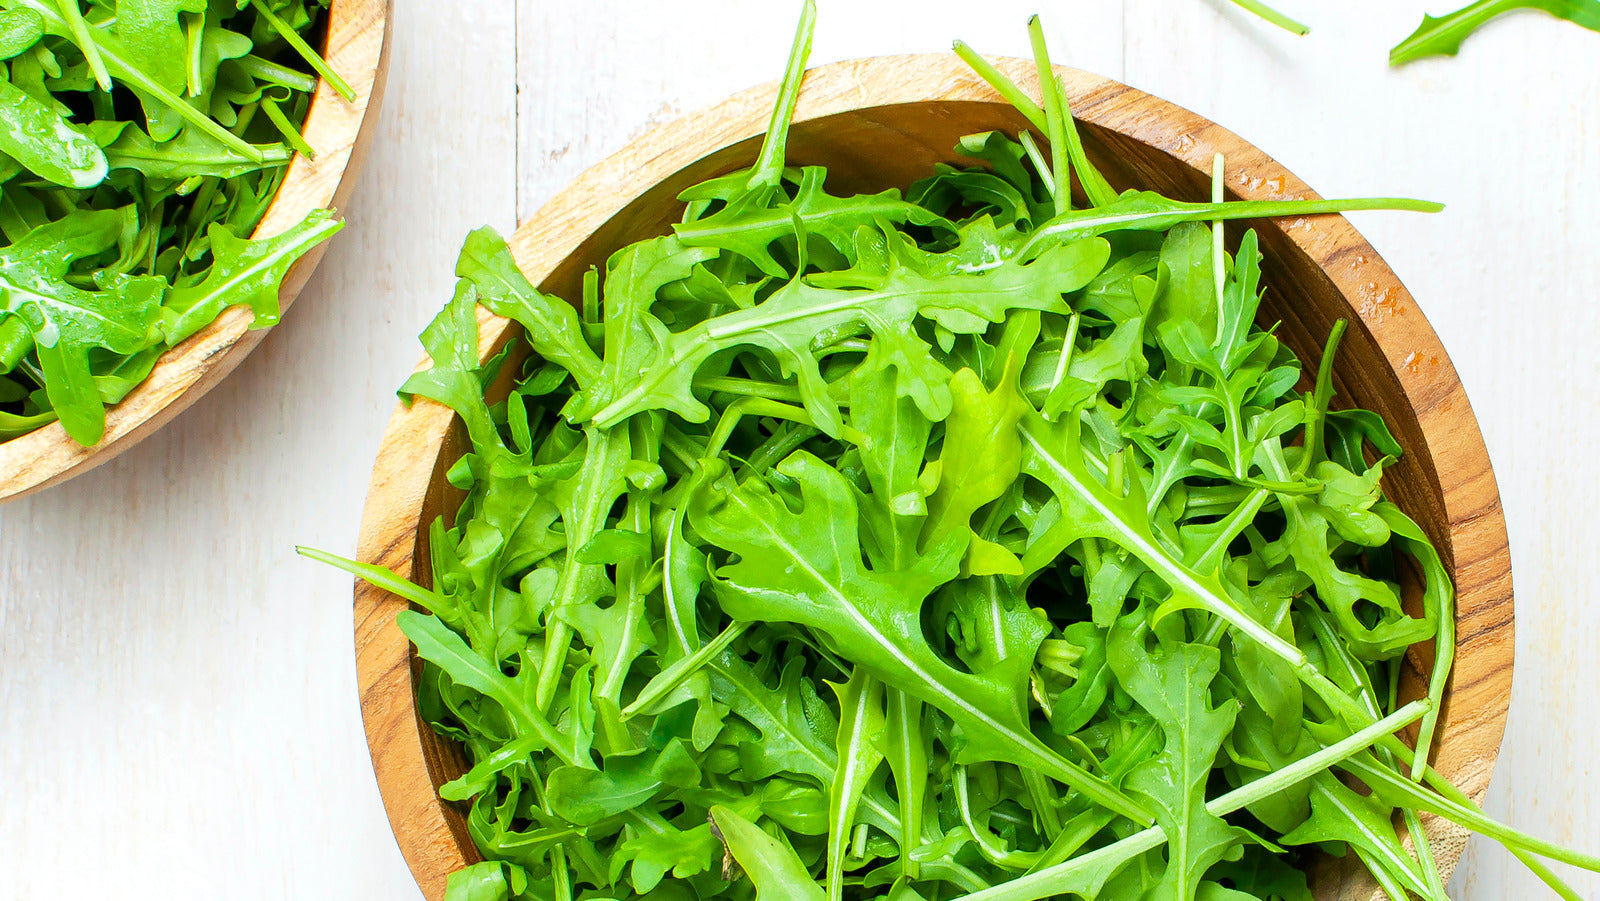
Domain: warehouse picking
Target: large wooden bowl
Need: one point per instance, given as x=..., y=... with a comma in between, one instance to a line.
x=339, y=131
x=884, y=122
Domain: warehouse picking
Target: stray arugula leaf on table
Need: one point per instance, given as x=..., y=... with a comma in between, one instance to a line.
x=953, y=543
x=141, y=142
x=1442, y=36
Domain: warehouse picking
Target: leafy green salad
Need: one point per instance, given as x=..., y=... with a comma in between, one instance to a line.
x=141, y=142
x=972, y=542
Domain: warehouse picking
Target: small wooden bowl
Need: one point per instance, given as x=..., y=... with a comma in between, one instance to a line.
x=357, y=48
x=884, y=122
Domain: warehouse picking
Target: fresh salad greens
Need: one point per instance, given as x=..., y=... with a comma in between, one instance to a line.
x=141, y=142
x=1442, y=36
x=972, y=542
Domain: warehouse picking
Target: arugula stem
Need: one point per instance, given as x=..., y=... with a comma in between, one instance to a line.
x=193, y=34
x=752, y=388
x=1069, y=344
x=768, y=169
x=1425, y=861
x=1085, y=222
x=1044, y=800
x=1271, y=15
x=762, y=406
x=1394, y=787
x=269, y=71
x=1219, y=262
x=1040, y=164
x=1321, y=397
x=379, y=577
x=312, y=58
x=1005, y=86
x=1099, y=192
x=80, y=36
x=286, y=128
x=783, y=442
x=561, y=875
x=668, y=680
x=1062, y=189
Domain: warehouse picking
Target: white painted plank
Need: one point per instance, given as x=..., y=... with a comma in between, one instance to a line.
x=1506, y=135
x=177, y=689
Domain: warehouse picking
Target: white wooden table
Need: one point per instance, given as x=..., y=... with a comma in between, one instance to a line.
x=177, y=696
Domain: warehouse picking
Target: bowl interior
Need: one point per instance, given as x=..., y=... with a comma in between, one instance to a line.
x=1316, y=271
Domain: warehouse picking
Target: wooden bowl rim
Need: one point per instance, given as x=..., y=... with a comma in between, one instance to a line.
x=357, y=47
x=401, y=475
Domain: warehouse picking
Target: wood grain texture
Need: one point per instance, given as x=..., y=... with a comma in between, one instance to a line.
x=1318, y=269
x=340, y=131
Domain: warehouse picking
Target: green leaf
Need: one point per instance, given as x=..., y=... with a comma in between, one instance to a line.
x=552, y=324
x=247, y=272
x=683, y=853
x=1340, y=815
x=35, y=135
x=892, y=286
x=982, y=452
x=483, y=881
x=67, y=322
x=153, y=31
x=1442, y=36
x=1054, y=454
x=585, y=796
x=859, y=744
x=127, y=66
x=750, y=224
x=191, y=153
x=1173, y=684
x=20, y=29
x=445, y=649
x=770, y=864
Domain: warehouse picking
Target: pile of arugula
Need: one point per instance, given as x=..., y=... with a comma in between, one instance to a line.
x=141, y=141
x=968, y=543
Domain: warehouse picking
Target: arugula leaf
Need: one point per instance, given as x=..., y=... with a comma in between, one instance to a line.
x=1442, y=36
x=777, y=873
x=552, y=325
x=246, y=272
x=153, y=29
x=44, y=143
x=861, y=734
x=65, y=321
x=1173, y=685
